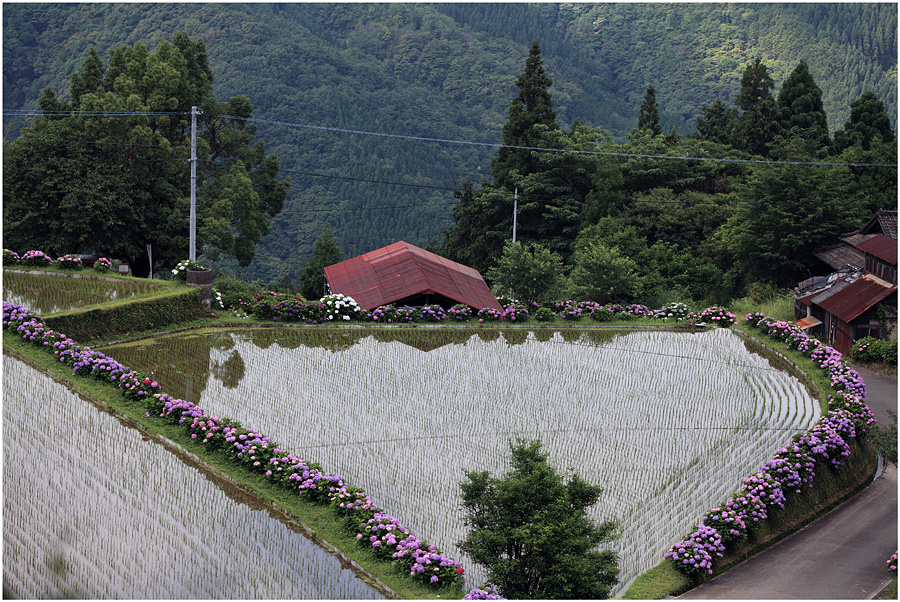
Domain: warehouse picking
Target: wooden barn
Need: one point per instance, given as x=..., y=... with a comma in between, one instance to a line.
x=404, y=274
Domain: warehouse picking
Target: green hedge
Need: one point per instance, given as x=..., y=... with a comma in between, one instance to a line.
x=132, y=317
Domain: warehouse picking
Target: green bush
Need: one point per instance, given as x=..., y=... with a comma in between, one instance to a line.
x=236, y=294
x=872, y=350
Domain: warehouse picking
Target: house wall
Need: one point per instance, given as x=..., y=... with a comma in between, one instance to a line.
x=882, y=269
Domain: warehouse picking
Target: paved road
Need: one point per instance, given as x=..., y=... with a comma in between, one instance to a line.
x=841, y=556
x=881, y=394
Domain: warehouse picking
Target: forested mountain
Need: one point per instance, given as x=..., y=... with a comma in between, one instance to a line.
x=320, y=75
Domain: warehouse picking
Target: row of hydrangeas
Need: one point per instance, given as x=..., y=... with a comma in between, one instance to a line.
x=282, y=307
x=40, y=259
x=373, y=527
x=792, y=466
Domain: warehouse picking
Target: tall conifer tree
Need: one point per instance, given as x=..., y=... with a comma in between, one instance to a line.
x=649, y=116
x=800, y=108
x=758, y=123
x=868, y=122
x=532, y=107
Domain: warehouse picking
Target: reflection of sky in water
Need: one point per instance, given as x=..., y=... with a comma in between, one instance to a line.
x=48, y=293
x=91, y=510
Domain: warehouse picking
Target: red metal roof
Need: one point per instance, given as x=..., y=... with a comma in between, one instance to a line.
x=401, y=270
x=851, y=301
x=881, y=246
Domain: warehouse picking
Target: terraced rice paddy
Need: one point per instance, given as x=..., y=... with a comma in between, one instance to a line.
x=90, y=510
x=52, y=292
x=666, y=423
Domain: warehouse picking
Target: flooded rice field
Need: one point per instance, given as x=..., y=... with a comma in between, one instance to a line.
x=91, y=510
x=667, y=423
x=53, y=292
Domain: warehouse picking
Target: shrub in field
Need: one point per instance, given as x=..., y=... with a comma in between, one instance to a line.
x=602, y=314
x=714, y=315
x=488, y=314
x=36, y=259
x=541, y=544
x=432, y=313
x=10, y=257
x=516, y=312
x=278, y=307
x=674, y=311
x=544, y=314
x=695, y=555
x=342, y=308
x=460, y=312
x=236, y=295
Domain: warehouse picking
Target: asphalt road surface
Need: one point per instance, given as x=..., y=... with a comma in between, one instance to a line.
x=843, y=555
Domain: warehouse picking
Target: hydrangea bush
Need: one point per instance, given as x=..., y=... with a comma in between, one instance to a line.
x=180, y=270
x=675, y=312
x=103, y=265
x=793, y=466
x=10, y=257
x=37, y=259
x=69, y=262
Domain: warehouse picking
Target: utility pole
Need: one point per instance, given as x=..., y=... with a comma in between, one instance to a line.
x=192, y=255
x=515, y=210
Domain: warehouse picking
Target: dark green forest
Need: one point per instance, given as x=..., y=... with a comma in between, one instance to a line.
x=319, y=76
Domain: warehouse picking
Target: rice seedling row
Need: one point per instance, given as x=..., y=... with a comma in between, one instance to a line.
x=51, y=292
x=662, y=421
x=91, y=510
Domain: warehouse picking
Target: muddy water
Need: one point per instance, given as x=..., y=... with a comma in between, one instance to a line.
x=91, y=510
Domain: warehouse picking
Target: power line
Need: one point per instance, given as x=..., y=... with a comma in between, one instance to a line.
x=468, y=142
x=554, y=150
x=503, y=193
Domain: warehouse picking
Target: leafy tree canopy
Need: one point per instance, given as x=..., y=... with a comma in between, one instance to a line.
x=530, y=272
x=717, y=124
x=122, y=181
x=530, y=530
